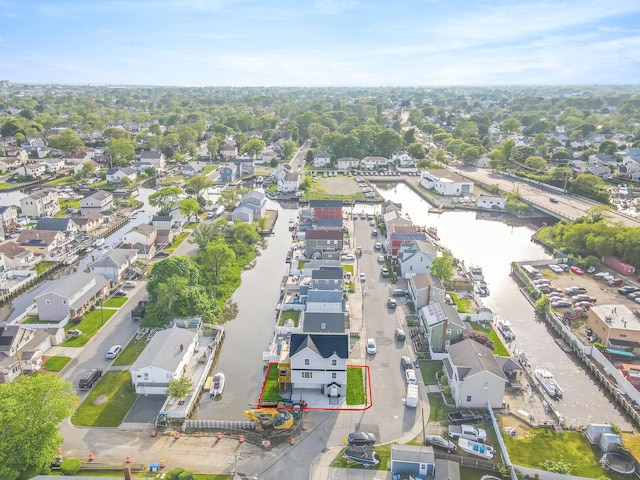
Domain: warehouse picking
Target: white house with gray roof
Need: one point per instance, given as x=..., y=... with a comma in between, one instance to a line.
x=114, y=263
x=416, y=257
x=319, y=361
x=313, y=322
x=325, y=301
x=96, y=202
x=71, y=295
x=475, y=375
x=165, y=358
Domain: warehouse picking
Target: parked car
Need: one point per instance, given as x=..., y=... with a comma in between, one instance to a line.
x=574, y=290
x=391, y=303
x=114, y=351
x=361, y=439
x=564, y=267
x=348, y=257
x=398, y=292
x=406, y=362
x=627, y=289
x=561, y=304
x=74, y=332
x=399, y=334
x=632, y=296
x=577, y=270
x=371, y=346
x=129, y=284
x=377, y=246
x=161, y=254
x=119, y=293
x=541, y=281
x=439, y=442
x=374, y=232
x=602, y=275
x=553, y=199
x=615, y=282
x=384, y=272
x=380, y=258
x=363, y=277
x=410, y=376
x=556, y=268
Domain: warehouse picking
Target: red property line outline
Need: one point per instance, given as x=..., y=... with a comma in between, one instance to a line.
x=368, y=394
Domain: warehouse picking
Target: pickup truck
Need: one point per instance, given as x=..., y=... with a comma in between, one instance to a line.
x=464, y=416
x=467, y=431
x=138, y=312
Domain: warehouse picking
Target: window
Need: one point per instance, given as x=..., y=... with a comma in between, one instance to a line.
x=306, y=361
x=64, y=302
x=146, y=376
x=459, y=331
x=334, y=362
x=47, y=302
x=468, y=398
x=334, y=375
x=448, y=331
x=486, y=385
x=307, y=374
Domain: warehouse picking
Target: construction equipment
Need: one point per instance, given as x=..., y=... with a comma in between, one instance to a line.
x=270, y=417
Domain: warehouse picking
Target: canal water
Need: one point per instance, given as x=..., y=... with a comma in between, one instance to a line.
x=493, y=245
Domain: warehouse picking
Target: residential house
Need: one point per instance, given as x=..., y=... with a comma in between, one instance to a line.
x=475, y=376
x=17, y=257
x=323, y=243
x=290, y=183
x=246, y=165
x=327, y=213
x=229, y=151
x=399, y=234
x=311, y=265
x=99, y=201
x=425, y=288
x=229, y=172
x=76, y=158
x=8, y=216
x=165, y=358
x=319, y=362
x=32, y=169
x=280, y=171
x=64, y=225
x=42, y=203
x=191, y=170
x=71, y=295
x=323, y=322
x=165, y=227
x=446, y=183
x=20, y=153
x=325, y=301
x=327, y=279
x=257, y=201
x=347, y=163
x=117, y=175
x=89, y=222
x=142, y=238
x=113, y=264
x=494, y=202
x=53, y=165
x=242, y=213
x=614, y=325
x=416, y=257
x=141, y=167
x=322, y=160
x=416, y=461
x=269, y=154
x=8, y=164
x=442, y=326
x=47, y=243
x=156, y=159
x=22, y=349
x=403, y=157
x=375, y=163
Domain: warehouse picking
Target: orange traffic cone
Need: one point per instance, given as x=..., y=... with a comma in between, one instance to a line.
x=162, y=464
x=241, y=438
x=292, y=440
x=153, y=432
x=127, y=459
x=219, y=435
x=176, y=435
x=91, y=457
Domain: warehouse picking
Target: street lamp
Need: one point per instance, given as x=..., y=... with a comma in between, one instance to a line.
x=101, y=311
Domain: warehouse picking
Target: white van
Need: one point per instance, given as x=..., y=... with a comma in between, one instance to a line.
x=412, y=395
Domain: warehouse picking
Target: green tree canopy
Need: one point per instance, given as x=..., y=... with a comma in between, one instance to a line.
x=165, y=199
x=31, y=409
x=175, y=265
x=253, y=147
x=442, y=267
x=189, y=207
x=67, y=141
x=179, y=387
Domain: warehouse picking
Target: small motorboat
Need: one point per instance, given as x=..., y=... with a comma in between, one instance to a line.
x=98, y=242
x=475, y=448
x=363, y=456
x=548, y=383
x=217, y=386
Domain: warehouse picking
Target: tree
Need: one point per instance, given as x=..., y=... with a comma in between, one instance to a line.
x=510, y=125
x=442, y=267
x=207, y=233
x=67, y=141
x=179, y=387
x=213, y=260
x=189, y=207
x=288, y=149
x=608, y=147
x=199, y=184
x=229, y=199
x=121, y=149
x=416, y=150
x=308, y=157
x=409, y=136
x=165, y=199
x=173, y=266
x=31, y=408
x=535, y=163
x=388, y=142
x=253, y=147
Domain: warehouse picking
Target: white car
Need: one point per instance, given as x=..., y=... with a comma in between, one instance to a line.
x=349, y=257
x=363, y=277
x=410, y=375
x=556, y=268
x=129, y=284
x=371, y=346
x=114, y=351
x=377, y=246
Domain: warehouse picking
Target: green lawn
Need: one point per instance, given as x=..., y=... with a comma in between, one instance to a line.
x=115, y=302
x=271, y=387
x=463, y=304
x=61, y=181
x=120, y=394
x=355, y=386
x=43, y=267
x=428, y=370
x=31, y=319
x=89, y=325
x=130, y=353
x=437, y=408
x=176, y=242
x=348, y=268
x=384, y=451
x=55, y=364
x=289, y=315
x=486, y=328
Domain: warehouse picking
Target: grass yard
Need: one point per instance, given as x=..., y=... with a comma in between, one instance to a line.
x=531, y=447
x=115, y=302
x=355, y=386
x=437, y=408
x=271, y=387
x=120, y=395
x=31, y=319
x=61, y=181
x=428, y=370
x=89, y=325
x=463, y=304
x=43, y=267
x=348, y=268
x=55, y=364
x=384, y=451
x=289, y=315
x=130, y=353
x=176, y=242
x=486, y=328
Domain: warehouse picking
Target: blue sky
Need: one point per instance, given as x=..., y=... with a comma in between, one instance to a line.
x=320, y=42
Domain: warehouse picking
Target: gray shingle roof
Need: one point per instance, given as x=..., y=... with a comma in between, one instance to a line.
x=325, y=345
x=436, y=312
x=333, y=322
x=327, y=274
x=163, y=351
x=52, y=223
x=324, y=296
x=470, y=357
x=68, y=286
x=114, y=258
x=423, y=280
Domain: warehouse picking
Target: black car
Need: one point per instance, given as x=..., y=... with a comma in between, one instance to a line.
x=627, y=289
x=439, y=442
x=161, y=254
x=361, y=439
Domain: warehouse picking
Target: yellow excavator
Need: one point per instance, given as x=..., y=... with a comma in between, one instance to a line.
x=270, y=417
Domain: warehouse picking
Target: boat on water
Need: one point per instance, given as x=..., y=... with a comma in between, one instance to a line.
x=482, y=288
x=504, y=327
x=218, y=385
x=432, y=232
x=477, y=449
x=548, y=383
x=98, y=242
x=363, y=456
x=476, y=273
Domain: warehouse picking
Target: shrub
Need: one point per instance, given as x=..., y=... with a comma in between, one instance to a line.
x=70, y=466
x=186, y=475
x=174, y=474
x=447, y=390
x=444, y=380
